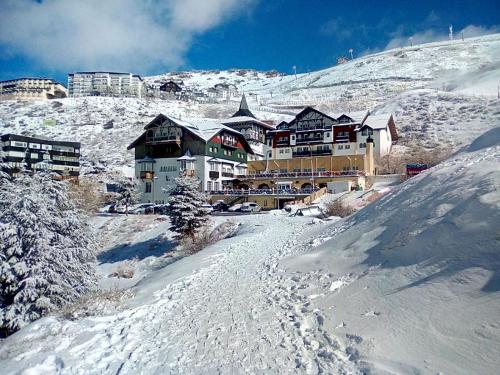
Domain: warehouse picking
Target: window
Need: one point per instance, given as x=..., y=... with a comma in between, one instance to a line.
x=341, y=147
x=293, y=139
x=216, y=149
x=307, y=169
x=367, y=132
x=296, y=170
x=148, y=187
x=328, y=134
x=209, y=185
x=283, y=170
x=214, y=167
x=362, y=145
x=347, y=147
x=216, y=186
x=211, y=149
x=321, y=169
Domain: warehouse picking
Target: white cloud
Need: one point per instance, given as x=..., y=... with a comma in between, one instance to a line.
x=131, y=35
x=433, y=35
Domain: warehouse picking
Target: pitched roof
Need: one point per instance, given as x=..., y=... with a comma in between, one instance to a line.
x=380, y=121
x=243, y=111
x=239, y=119
x=202, y=128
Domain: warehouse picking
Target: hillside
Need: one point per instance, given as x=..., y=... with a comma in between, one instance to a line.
x=440, y=93
x=408, y=285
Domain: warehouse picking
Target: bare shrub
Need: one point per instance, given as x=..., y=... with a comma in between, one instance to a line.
x=206, y=237
x=87, y=196
x=193, y=244
x=338, y=208
x=100, y=302
x=125, y=270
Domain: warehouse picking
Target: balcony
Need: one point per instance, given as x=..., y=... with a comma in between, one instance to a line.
x=164, y=139
x=227, y=174
x=146, y=175
x=214, y=175
x=282, y=143
x=311, y=153
x=309, y=140
x=315, y=174
x=188, y=172
x=342, y=138
x=228, y=142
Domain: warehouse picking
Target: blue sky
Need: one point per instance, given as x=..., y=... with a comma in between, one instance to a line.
x=155, y=36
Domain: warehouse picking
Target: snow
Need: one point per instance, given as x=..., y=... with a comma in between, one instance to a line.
x=408, y=284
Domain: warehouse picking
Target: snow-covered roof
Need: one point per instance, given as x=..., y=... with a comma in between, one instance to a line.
x=357, y=116
x=203, y=128
x=187, y=156
x=380, y=121
x=238, y=119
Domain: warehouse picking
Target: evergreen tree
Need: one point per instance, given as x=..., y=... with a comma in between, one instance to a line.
x=128, y=193
x=185, y=207
x=47, y=252
x=4, y=167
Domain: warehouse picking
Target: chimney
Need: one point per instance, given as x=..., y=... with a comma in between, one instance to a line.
x=369, y=161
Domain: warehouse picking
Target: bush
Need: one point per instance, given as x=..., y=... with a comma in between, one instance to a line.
x=126, y=270
x=338, y=208
x=100, y=302
x=87, y=196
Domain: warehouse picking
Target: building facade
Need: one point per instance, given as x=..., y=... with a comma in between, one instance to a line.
x=39, y=154
x=313, y=133
x=215, y=154
x=252, y=129
x=31, y=89
x=114, y=84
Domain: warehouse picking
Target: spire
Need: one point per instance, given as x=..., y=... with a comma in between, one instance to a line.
x=243, y=111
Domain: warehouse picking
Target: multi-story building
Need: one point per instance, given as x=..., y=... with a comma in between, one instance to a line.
x=105, y=84
x=31, y=88
x=252, y=129
x=39, y=154
x=205, y=149
x=313, y=133
x=315, y=148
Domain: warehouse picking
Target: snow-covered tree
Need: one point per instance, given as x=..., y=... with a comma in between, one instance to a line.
x=47, y=251
x=185, y=207
x=128, y=192
x=4, y=167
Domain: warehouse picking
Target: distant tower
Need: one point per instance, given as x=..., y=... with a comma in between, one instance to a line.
x=350, y=52
x=295, y=70
x=243, y=110
x=451, y=32
x=411, y=41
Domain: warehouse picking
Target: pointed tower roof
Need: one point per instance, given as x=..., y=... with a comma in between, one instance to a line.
x=243, y=111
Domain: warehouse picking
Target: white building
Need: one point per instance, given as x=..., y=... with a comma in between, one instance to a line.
x=105, y=84
x=382, y=129
x=31, y=89
x=201, y=148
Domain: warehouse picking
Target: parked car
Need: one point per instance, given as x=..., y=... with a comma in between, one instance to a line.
x=235, y=208
x=160, y=209
x=208, y=207
x=250, y=207
x=220, y=206
x=143, y=208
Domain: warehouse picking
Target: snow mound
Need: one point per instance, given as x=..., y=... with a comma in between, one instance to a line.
x=423, y=265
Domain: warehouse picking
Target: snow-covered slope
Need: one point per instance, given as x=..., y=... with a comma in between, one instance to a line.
x=415, y=277
x=441, y=94
x=408, y=285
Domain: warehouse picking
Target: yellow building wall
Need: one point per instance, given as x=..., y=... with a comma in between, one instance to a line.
x=329, y=163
